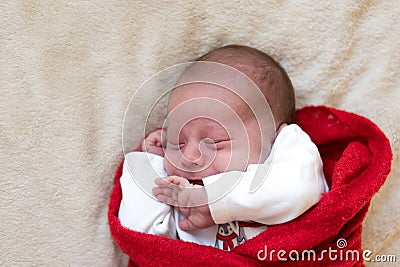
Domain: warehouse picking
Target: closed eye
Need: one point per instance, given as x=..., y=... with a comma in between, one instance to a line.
x=175, y=145
x=221, y=141
x=218, y=143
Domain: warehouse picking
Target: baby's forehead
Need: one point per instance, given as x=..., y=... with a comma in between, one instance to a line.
x=204, y=101
x=209, y=94
x=233, y=84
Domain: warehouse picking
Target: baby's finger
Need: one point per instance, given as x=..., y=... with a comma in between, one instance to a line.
x=186, y=225
x=184, y=210
x=163, y=182
x=179, y=181
x=167, y=192
x=167, y=200
x=159, y=181
x=162, y=191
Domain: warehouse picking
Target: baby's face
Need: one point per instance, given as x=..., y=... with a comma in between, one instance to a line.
x=210, y=130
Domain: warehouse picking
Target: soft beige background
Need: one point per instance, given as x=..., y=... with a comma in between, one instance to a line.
x=69, y=68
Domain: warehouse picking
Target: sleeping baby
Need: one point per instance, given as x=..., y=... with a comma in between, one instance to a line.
x=229, y=161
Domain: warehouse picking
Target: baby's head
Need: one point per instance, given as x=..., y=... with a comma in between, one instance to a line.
x=212, y=129
x=270, y=77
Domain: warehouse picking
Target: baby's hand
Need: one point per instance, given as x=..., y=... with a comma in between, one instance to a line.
x=190, y=199
x=153, y=143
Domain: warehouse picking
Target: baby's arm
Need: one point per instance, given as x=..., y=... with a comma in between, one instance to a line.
x=290, y=182
x=139, y=210
x=190, y=200
x=153, y=143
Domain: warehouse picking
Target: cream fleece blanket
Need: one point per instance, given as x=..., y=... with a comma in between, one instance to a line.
x=69, y=68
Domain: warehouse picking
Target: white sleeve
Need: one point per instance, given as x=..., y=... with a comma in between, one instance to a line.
x=289, y=182
x=139, y=209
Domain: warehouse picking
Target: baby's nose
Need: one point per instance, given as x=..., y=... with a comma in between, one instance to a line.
x=192, y=155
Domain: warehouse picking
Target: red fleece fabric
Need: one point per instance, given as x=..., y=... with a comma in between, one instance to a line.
x=357, y=159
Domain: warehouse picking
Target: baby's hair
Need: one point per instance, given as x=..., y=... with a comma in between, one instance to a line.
x=268, y=74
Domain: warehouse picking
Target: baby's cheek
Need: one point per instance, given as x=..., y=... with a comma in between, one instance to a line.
x=222, y=161
x=168, y=167
x=238, y=160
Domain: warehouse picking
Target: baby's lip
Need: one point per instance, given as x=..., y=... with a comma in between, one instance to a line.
x=196, y=182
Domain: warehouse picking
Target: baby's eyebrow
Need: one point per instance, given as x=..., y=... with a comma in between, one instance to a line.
x=220, y=139
x=219, y=136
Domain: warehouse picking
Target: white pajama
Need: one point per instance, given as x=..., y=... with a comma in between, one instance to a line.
x=287, y=184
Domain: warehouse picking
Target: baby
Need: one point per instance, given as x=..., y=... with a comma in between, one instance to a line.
x=228, y=164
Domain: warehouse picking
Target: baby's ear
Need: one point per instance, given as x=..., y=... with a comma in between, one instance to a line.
x=280, y=128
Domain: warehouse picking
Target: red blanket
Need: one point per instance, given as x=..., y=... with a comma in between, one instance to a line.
x=357, y=159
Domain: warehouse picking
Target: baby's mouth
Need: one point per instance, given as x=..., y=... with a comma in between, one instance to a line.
x=196, y=182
